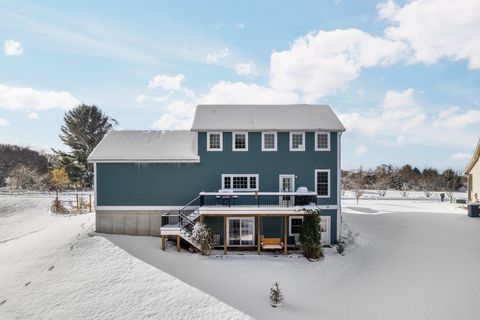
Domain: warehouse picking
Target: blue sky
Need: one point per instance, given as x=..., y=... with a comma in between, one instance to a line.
x=403, y=76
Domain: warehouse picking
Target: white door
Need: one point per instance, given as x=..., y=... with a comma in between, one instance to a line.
x=286, y=183
x=325, y=230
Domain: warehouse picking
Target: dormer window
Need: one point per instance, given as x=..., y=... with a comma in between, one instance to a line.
x=240, y=141
x=322, y=141
x=269, y=141
x=297, y=141
x=214, y=141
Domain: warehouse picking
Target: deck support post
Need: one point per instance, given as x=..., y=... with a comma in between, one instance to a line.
x=285, y=235
x=163, y=242
x=258, y=234
x=178, y=243
x=224, y=235
x=202, y=218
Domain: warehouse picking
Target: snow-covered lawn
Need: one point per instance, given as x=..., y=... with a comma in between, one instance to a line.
x=53, y=267
x=410, y=260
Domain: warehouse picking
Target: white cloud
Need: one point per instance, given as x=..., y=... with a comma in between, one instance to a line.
x=360, y=149
x=178, y=115
x=166, y=82
x=32, y=116
x=140, y=98
x=320, y=63
x=454, y=118
x=20, y=98
x=460, y=156
x=400, y=120
x=218, y=55
x=245, y=69
x=436, y=29
x=3, y=122
x=242, y=93
x=12, y=48
x=239, y=25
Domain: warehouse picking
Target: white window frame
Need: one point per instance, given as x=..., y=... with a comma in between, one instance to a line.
x=275, y=138
x=228, y=231
x=208, y=141
x=230, y=175
x=316, y=141
x=329, y=182
x=291, y=141
x=290, y=233
x=233, y=140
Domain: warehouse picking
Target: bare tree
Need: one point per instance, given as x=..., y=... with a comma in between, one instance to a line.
x=358, y=183
x=428, y=181
x=383, y=177
x=21, y=177
x=451, y=182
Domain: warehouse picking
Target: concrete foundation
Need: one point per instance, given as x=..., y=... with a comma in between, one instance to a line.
x=130, y=222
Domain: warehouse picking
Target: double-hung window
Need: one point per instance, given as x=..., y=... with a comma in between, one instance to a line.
x=269, y=141
x=214, y=141
x=322, y=141
x=295, y=225
x=240, y=182
x=322, y=183
x=240, y=141
x=297, y=141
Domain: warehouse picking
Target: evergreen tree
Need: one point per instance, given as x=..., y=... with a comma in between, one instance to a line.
x=310, y=235
x=276, y=296
x=83, y=129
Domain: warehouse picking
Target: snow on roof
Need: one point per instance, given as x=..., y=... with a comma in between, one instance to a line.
x=145, y=146
x=266, y=117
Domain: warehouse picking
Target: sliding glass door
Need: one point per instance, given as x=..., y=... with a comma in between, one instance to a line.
x=241, y=231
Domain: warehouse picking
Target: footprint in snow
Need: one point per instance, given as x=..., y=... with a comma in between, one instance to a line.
x=3, y=302
x=51, y=268
x=71, y=247
x=26, y=284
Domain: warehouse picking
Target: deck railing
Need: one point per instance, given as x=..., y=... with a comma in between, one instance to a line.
x=257, y=199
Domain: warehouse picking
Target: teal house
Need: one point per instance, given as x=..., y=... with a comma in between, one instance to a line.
x=247, y=171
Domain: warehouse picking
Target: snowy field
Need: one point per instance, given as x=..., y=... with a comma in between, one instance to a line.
x=53, y=267
x=409, y=260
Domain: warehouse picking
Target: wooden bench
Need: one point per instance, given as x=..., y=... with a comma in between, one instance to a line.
x=272, y=244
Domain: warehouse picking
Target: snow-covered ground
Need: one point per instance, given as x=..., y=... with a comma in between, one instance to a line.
x=54, y=267
x=410, y=260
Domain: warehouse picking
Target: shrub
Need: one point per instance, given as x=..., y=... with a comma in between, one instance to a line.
x=310, y=235
x=202, y=236
x=57, y=206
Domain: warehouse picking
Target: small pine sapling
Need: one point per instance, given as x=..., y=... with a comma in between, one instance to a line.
x=276, y=296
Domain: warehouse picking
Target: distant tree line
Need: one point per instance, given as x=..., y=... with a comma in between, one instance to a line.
x=403, y=179
x=22, y=168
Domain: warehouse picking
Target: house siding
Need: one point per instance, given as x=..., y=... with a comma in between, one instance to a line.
x=167, y=184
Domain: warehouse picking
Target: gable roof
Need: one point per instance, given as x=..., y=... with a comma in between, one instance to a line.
x=266, y=117
x=147, y=146
x=476, y=156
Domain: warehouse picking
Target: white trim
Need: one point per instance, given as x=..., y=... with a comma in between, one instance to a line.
x=339, y=173
x=275, y=138
x=246, y=140
x=248, y=175
x=280, y=184
x=316, y=141
x=146, y=161
x=329, y=182
x=290, y=224
x=329, y=230
x=139, y=208
x=228, y=231
x=303, y=139
x=95, y=185
x=208, y=140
